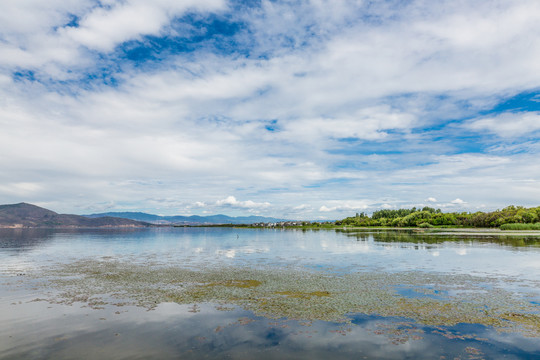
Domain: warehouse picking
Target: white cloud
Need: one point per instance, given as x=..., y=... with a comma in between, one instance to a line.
x=36, y=33
x=231, y=201
x=341, y=206
x=508, y=124
x=458, y=202
x=103, y=29
x=193, y=127
x=20, y=188
x=368, y=123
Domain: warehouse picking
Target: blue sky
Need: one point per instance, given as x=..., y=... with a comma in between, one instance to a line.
x=299, y=109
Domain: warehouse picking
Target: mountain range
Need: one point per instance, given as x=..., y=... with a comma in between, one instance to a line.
x=186, y=220
x=25, y=215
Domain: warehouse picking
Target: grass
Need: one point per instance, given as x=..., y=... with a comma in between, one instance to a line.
x=519, y=226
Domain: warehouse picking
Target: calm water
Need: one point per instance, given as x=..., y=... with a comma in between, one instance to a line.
x=43, y=330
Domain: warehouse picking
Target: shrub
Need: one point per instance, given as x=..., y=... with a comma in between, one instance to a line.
x=519, y=226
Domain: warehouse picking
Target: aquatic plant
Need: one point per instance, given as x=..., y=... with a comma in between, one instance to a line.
x=297, y=293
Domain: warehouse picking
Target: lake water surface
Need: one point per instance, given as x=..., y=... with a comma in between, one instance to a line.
x=215, y=293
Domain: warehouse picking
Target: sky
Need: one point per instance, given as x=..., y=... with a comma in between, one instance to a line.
x=298, y=109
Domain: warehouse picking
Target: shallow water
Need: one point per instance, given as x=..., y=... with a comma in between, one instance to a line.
x=38, y=319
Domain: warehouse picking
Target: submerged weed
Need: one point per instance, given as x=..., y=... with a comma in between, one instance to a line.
x=297, y=294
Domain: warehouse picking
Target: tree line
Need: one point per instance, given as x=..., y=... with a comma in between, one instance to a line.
x=429, y=217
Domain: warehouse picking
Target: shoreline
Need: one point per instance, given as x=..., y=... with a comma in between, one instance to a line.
x=426, y=231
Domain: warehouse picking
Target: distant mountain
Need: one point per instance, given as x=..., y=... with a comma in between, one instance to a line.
x=186, y=220
x=25, y=215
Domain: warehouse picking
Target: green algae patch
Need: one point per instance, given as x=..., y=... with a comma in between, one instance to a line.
x=529, y=322
x=237, y=283
x=299, y=294
x=303, y=295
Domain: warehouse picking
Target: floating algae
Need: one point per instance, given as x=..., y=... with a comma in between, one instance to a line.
x=297, y=293
x=236, y=283
x=303, y=295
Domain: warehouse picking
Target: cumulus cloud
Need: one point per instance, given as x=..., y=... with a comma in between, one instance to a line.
x=303, y=100
x=508, y=124
x=231, y=201
x=49, y=35
x=368, y=124
x=340, y=206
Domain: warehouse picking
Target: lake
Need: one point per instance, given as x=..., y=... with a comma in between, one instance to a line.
x=217, y=293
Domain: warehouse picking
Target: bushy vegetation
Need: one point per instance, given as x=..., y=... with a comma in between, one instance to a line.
x=519, y=226
x=509, y=218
